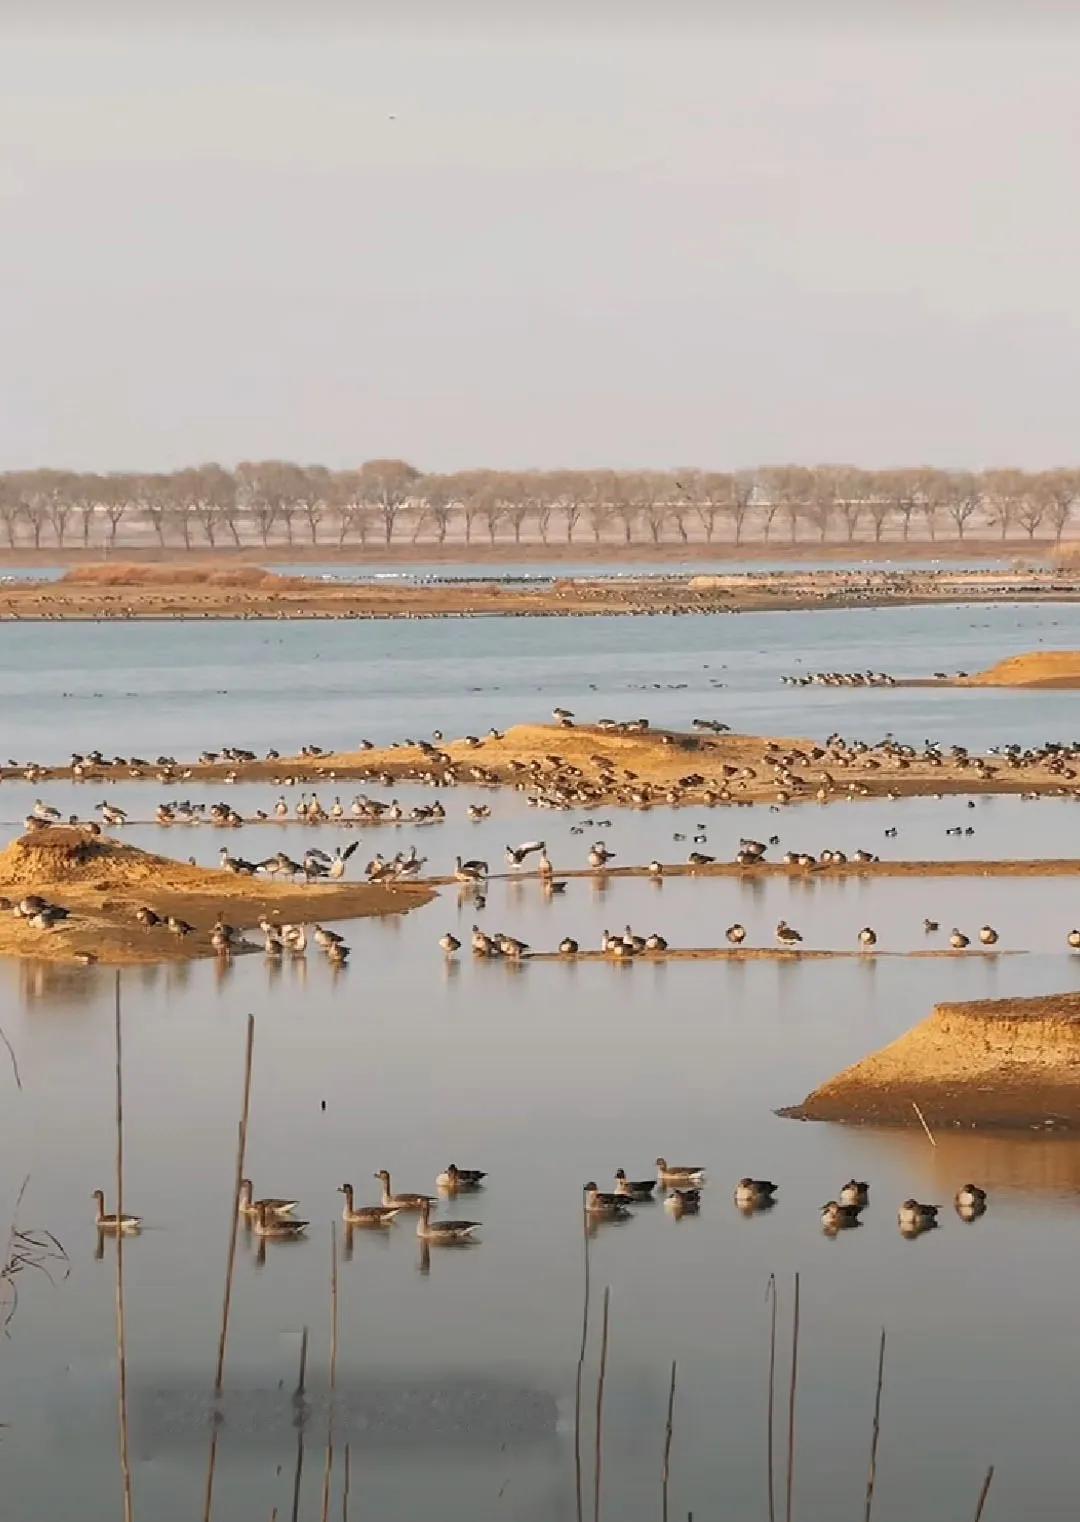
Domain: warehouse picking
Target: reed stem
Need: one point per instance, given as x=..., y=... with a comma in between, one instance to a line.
x=600, y=1382
x=581, y=1362
x=234, y=1224
x=121, y=1325
x=872, y=1473
x=922, y=1120
x=666, y=1470
x=345, y=1485
x=983, y=1493
x=791, y=1401
x=770, y=1294
x=328, y=1470
x=301, y=1417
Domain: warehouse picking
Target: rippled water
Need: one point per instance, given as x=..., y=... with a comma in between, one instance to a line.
x=456, y=1374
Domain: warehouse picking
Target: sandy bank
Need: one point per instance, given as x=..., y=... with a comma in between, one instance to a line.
x=994, y=1062
x=1037, y=668
x=103, y=882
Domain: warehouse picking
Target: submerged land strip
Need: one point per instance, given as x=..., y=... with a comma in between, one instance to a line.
x=177, y=591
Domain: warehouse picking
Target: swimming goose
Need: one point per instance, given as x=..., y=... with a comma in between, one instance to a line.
x=449, y=943
x=855, y=1193
x=103, y=1222
x=867, y=937
x=442, y=1231
x=837, y=1217
x=668, y=1173
x=322, y=937
x=912, y=1214
x=251, y=1207
x=971, y=1197
x=606, y=1205
x=268, y=1225
x=402, y=1201
x=633, y=1189
x=736, y=934
x=454, y=1178
x=294, y=939
x=754, y=1191
x=683, y=1201
x=365, y=1215
x=337, y=953
x=958, y=940
x=988, y=935
x=786, y=935
x=930, y=926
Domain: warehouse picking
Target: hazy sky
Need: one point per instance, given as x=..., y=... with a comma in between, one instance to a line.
x=651, y=238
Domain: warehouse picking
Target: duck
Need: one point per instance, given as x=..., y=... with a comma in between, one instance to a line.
x=755, y=1191
x=1073, y=939
x=786, y=935
x=609, y=1206
x=971, y=1197
x=683, y=1201
x=599, y=855
x=449, y=943
x=337, y=953
x=266, y=1224
x=913, y=1215
x=365, y=1215
x=958, y=940
x=403, y=1201
x=856, y=1193
x=455, y=1178
x=930, y=926
x=678, y=1176
x=251, y=1207
x=442, y=1231
x=988, y=935
x=736, y=934
x=633, y=1189
x=838, y=1217
x=568, y=947
x=129, y=1224
x=867, y=936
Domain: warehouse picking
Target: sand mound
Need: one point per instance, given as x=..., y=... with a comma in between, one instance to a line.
x=1038, y=668
x=103, y=882
x=993, y=1062
x=130, y=574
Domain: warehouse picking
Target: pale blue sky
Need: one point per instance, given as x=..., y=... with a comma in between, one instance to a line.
x=657, y=238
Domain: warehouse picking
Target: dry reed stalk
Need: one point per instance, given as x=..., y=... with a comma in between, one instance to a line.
x=872, y=1473
x=791, y=1401
x=665, y=1473
x=329, y=1467
x=301, y=1416
x=345, y=1486
x=121, y=1325
x=770, y=1294
x=983, y=1493
x=14, y=1059
x=581, y=1362
x=922, y=1119
x=600, y=1382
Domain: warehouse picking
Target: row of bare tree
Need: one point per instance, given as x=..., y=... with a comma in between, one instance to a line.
x=382, y=499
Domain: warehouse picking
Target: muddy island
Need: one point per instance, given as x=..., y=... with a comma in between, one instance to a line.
x=1007, y=1063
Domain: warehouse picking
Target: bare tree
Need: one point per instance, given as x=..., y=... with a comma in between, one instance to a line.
x=439, y=500
x=154, y=496
x=1060, y=490
x=600, y=506
x=709, y=493
x=257, y=493
x=209, y=496
x=1002, y=494
x=572, y=493
x=649, y=493
x=58, y=486
x=388, y=486
x=313, y=499
x=743, y=487
x=120, y=492
x=624, y=504
x=962, y=498
x=10, y=506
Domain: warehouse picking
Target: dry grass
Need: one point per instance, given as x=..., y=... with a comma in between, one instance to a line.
x=114, y=573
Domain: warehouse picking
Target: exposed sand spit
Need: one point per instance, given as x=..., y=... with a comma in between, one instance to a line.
x=104, y=882
x=1037, y=668
x=112, y=573
x=993, y=1062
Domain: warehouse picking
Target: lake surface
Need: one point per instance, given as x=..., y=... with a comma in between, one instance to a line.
x=456, y=1371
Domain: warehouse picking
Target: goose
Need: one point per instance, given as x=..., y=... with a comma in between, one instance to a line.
x=179, y=927
x=268, y=1225
x=655, y=942
x=561, y=713
x=404, y=1201
x=1073, y=939
x=670, y=1174
x=515, y=855
x=971, y=1197
x=568, y=947
x=958, y=940
x=837, y=1217
x=337, y=953
x=483, y=945
x=103, y=1222
x=235, y=864
x=786, y=935
x=148, y=917
x=754, y=1191
x=633, y=1189
x=599, y=855
x=449, y=943
x=272, y=943
x=477, y=811
x=988, y=935
x=365, y=1215
x=699, y=859
x=281, y=808
x=453, y=1177
x=914, y=1215
x=251, y=1207
x=337, y=809
x=294, y=939
x=855, y=1193
x=867, y=937
x=469, y=871
x=930, y=926
x=656, y=869
x=736, y=934
x=336, y=870
x=683, y=1201
x=43, y=810
x=606, y=1205
x=442, y=1231
x=111, y=814
x=545, y=868
x=323, y=937
x=510, y=946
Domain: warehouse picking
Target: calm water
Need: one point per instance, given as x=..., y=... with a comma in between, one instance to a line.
x=456, y=1375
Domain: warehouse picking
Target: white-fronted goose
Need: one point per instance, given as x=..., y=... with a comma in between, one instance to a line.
x=365, y=1215
x=442, y=1231
x=678, y=1176
x=103, y=1222
x=401, y=1201
x=251, y=1207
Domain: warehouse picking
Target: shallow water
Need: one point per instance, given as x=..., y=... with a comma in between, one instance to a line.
x=456, y=1376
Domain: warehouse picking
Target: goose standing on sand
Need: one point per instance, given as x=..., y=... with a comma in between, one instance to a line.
x=469, y=871
x=125, y=1223
x=568, y=947
x=336, y=869
x=736, y=934
x=111, y=814
x=365, y=1215
x=958, y=940
x=988, y=935
x=442, y=1231
x=450, y=943
x=515, y=855
x=599, y=855
x=401, y=1200
x=867, y=937
x=281, y=808
x=786, y=935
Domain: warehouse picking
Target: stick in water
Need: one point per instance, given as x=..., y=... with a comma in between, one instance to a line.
x=328, y=1471
x=770, y=1294
x=925, y=1127
x=872, y=1474
x=666, y=1471
x=791, y=1399
x=121, y=1329
x=600, y=1380
x=581, y=1361
x=984, y=1492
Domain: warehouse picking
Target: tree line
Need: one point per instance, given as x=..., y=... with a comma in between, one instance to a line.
x=383, y=501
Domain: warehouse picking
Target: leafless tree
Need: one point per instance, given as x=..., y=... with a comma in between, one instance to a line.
x=1001, y=496
x=10, y=507
x=155, y=497
x=1060, y=490
x=388, y=486
x=962, y=498
x=439, y=498
x=742, y=501
x=600, y=506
